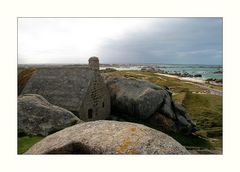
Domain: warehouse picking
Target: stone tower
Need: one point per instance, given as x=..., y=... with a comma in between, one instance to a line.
x=93, y=63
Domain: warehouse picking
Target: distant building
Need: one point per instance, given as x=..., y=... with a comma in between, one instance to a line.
x=78, y=89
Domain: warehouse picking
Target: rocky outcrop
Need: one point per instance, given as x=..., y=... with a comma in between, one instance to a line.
x=36, y=116
x=108, y=137
x=23, y=76
x=107, y=70
x=214, y=80
x=218, y=72
x=198, y=75
x=134, y=97
x=150, y=69
x=162, y=122
x=182, y=123
x=140, y=99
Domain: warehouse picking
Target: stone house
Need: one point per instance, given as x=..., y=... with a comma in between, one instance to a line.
x=79, y=89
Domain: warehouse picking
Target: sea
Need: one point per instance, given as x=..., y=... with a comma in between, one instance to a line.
x=207, y=71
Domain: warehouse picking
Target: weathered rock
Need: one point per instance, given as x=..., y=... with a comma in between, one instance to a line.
x=214, y=79
x=159, y=121
x=109, y=70
x=149, y=69
x=198, y=75
x=217, y=72
x=36, y=116
x=167, y=108
x=108, y=137
x=23, y=76
x=140, y=99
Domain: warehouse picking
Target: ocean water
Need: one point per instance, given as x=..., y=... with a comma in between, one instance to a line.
x=207, y=71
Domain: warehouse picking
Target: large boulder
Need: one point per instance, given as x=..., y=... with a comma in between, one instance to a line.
x=161, y=122
x=108, y=137
x=36, y=116
x=140, y=99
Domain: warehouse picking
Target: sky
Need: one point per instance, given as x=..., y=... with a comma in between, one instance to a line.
x=120, y=40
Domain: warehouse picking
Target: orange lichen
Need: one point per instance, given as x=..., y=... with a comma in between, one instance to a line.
x=133, y=151
x=133, y=129
x=122, y=148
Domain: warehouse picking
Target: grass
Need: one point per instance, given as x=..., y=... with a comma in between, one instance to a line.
x=204, y=109
x=179, y=97
x=24, y=143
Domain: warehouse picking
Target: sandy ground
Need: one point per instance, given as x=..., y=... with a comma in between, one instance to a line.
x=182, y=78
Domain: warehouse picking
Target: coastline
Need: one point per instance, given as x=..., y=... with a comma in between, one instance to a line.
x=183, y=78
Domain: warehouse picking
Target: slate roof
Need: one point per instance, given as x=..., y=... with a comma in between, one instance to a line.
x=62, y=86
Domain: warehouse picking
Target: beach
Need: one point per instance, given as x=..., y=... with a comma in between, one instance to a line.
x=182, y=78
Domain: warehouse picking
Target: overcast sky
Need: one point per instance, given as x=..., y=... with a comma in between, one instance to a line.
x=120, y=40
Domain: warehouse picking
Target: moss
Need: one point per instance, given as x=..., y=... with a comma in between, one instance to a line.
x=75, y=121
x=24, y=143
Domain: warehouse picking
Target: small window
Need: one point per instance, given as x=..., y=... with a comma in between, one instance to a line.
x=103, y=104
x=90, y=112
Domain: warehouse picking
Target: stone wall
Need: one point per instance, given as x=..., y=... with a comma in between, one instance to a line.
x=96, y=105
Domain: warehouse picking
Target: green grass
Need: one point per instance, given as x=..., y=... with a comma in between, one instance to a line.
x=205, y=110
x=192, y=141
x=179, y=97
x=24, y=143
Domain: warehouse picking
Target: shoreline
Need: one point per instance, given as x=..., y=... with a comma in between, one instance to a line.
x=183, y=78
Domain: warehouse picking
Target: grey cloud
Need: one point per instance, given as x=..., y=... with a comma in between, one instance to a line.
x=176, y=40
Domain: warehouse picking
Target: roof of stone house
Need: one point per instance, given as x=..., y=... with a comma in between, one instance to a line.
x=62, y=86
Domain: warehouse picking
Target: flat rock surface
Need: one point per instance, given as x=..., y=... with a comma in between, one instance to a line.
x=108, y=137
x=36, y=116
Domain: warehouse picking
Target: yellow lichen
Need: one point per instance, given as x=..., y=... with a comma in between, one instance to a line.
x=133, y=129
x=122, y=148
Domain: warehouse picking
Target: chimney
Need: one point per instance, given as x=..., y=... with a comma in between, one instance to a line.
x=93, y=63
